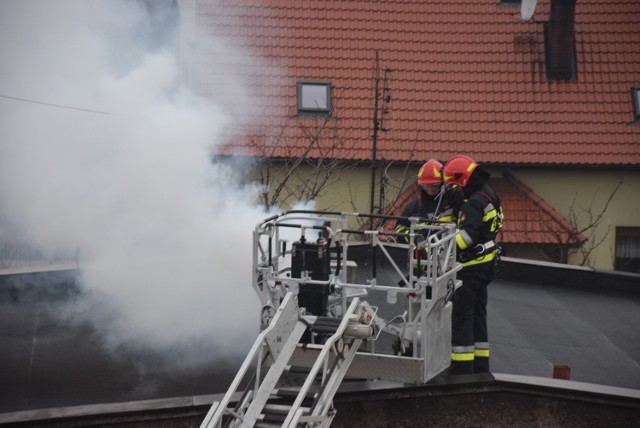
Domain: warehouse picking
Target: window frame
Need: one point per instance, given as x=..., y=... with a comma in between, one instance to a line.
x=305, y=110
x=619, y=262
x=510, y=3
x=635, y=101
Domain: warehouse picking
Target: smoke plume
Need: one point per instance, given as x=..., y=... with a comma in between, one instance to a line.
x=105, y=154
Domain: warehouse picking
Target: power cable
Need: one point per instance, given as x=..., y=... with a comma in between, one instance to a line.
x=53, y=105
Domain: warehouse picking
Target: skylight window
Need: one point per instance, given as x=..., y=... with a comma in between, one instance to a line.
x=314, y=97
x=509, y=3
x=635, y=97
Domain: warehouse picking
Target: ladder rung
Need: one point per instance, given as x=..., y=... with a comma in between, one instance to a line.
x=292, y=394
x=277, y=408
x=273, y=418
x=278, y=412
x=300, y=370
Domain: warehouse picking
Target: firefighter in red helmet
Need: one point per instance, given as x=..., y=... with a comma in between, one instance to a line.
x=430, y=176
x=479, y=217
x=426, y=206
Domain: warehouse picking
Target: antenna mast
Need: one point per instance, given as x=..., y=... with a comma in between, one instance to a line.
x=378, y=121
x=374, y=137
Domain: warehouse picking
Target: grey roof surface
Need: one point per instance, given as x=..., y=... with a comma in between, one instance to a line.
x=565, y=316
x=45, y=362
x=533, y=327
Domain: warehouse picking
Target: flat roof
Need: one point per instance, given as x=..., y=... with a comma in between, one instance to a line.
x=48, y=363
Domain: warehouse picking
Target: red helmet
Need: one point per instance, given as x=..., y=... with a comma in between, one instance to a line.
x=458, y=170
x=430, y=173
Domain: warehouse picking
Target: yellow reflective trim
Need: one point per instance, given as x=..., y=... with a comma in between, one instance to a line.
x=494, y=218
x=482, y=353
x=461, y=242
x=488, y=216
x=469, y=356
x=482, y=259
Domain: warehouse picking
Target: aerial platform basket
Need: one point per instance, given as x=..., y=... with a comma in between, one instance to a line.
x=325, y=317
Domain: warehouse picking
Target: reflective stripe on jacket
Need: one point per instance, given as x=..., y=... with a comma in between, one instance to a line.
x=479, y=220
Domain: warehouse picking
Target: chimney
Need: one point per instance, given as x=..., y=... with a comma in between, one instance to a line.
x=560, y=41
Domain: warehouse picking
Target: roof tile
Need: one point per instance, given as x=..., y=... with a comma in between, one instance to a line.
x=468, y=75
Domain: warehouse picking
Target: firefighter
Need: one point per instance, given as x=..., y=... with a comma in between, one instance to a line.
x=430, y=207
x=426, y=206
x=479, y=219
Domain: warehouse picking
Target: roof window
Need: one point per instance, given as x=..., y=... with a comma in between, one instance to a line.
x=509, y=3
x=635, y=98
x=314, y=97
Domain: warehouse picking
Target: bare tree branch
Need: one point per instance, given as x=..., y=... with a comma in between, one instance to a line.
x=289, y=172
x=579, y=239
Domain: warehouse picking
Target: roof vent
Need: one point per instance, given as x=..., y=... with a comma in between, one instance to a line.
x=560, y=41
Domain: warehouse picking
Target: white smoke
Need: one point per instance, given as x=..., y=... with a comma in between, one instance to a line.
x=105, y=152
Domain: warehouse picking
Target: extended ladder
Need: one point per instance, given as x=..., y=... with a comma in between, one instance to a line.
x=265, y=402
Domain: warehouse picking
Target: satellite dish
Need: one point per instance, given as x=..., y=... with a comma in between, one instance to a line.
x=527, y=8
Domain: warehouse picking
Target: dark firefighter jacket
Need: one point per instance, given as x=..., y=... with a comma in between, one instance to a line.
x=424, y=207
x=479, y=221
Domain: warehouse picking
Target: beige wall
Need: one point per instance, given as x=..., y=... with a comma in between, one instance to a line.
x=354, y=188
x=349, y=190
x=588, y=191
x=562, y=189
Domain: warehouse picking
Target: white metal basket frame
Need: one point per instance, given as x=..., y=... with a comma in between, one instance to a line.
x=272, y=273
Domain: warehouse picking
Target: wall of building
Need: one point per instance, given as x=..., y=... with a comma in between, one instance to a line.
x=582, y=193
x=585, y=193
x=349, y=190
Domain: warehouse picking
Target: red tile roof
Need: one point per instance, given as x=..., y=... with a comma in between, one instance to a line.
x=469, y=77
x=528, y=219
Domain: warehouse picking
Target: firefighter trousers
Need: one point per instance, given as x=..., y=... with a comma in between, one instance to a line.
x=469, y=335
